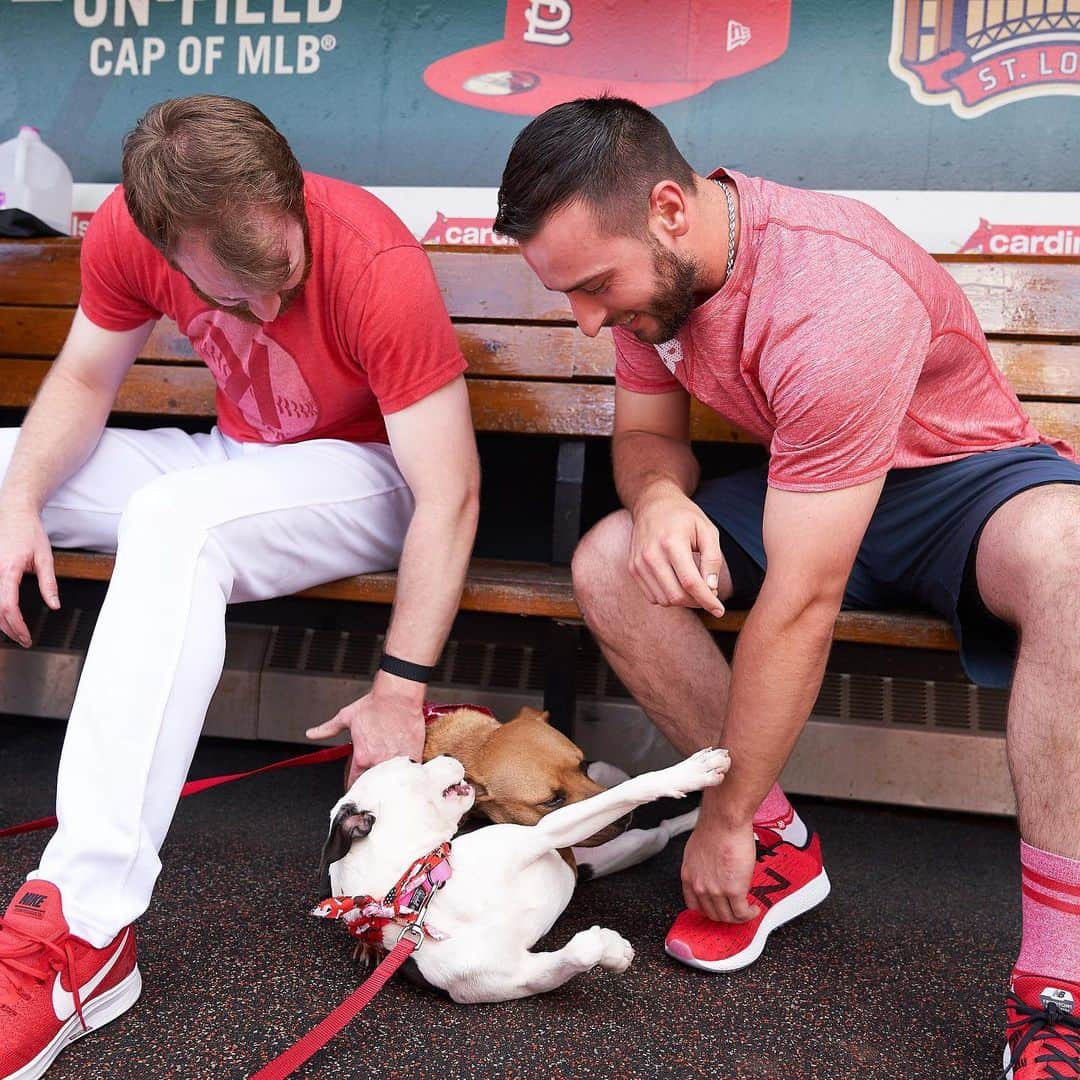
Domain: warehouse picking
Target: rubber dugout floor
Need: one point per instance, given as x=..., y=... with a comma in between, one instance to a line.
x=899, y=974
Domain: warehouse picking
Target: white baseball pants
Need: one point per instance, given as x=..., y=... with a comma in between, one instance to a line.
x=197, y=522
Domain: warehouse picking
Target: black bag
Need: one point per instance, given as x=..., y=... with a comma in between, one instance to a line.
x=19, y=223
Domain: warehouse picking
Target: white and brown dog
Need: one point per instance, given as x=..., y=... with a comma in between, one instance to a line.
x=508, y=883
x=524, y=768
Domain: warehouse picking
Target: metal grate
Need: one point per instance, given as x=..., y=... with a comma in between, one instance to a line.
x=478, y=664
x=853, y=698
x=67, y=628
x=884, y=701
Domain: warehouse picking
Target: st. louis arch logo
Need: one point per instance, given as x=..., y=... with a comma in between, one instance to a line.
x=976, y=56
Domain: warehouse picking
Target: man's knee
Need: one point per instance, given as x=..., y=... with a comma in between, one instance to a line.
x=1029, y=554
x=164, y=511
x=600, y=567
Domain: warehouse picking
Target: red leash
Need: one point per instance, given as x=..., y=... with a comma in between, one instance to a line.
x=193, y=787
x=316, y=757
x=411, y=938
x=287, y=1063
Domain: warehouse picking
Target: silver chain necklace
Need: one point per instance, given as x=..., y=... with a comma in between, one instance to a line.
x=731, y=227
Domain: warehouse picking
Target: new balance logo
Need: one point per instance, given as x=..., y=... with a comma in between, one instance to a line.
x=32, y=900
x=737, y=34
x=763, y=893
x=548, y=22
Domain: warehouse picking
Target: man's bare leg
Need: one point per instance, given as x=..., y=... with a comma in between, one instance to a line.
x=664, y=656
x=1028, y=571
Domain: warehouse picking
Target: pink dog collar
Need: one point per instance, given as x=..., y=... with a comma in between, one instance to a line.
x=405, y=904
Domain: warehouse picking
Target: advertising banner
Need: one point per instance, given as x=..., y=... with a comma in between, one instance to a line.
x=421, y=101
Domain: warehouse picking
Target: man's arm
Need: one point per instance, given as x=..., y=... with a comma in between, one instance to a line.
x=674, y=549
x=435, y=448
x=811, y=541
x=59, y=433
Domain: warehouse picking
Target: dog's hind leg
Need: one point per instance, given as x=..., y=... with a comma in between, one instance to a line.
x=536, y=973
x=570, y=825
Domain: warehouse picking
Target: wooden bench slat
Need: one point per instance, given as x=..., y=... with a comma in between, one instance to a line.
x=1011, y=295
x=575, y=410
x=1021, y=297
x=536, y=589
x=148, y=389
x=1036, y=370
x=546, y=352
x=40, y=272
x=1059, y=420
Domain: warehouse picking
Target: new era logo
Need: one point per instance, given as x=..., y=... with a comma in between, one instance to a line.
x=737, y=34
x=32, y=900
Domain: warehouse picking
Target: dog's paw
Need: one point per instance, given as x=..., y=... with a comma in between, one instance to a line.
x=618, y=952
x=704, y=769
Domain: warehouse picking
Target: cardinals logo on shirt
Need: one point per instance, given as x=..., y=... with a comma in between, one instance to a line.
x=254, y=372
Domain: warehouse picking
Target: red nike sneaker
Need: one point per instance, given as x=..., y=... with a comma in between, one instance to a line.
x=1042, y=1025
x=788, y=880
x=54, y=987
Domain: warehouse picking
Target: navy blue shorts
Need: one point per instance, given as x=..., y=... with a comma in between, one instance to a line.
x=919, y=547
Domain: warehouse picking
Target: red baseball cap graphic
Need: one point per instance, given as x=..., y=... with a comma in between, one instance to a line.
x=652, y=51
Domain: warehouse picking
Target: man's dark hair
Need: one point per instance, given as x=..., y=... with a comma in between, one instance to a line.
x=606, y=151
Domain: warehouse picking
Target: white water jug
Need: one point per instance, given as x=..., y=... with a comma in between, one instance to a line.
x=35, y=179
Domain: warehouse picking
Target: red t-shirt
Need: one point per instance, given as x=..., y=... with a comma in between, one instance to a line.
x=838, y=343
x=368, y=334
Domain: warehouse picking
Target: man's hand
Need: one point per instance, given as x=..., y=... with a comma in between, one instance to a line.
x=383, y=724
x=24, y=547
x=675, y=551
x=718, y=864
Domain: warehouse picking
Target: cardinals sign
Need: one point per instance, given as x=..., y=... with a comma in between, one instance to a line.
x=977, y=55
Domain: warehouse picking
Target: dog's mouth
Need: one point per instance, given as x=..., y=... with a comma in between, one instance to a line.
x=460, y=790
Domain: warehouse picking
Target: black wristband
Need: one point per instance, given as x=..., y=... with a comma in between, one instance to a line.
x=404, y=669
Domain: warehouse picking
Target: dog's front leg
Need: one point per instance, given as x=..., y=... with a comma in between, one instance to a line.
x=570, y=825
x=632, y=847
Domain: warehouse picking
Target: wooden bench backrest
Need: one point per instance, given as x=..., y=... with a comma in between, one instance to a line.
x=531, y=370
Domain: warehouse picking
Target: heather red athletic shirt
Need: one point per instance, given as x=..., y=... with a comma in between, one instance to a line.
x=368, y=334
x=839, y=344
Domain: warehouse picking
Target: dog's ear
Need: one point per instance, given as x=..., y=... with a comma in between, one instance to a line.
x=349, y=824
x=480, y=792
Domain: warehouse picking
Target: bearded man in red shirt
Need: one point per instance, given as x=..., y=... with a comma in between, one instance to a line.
x=902, y=470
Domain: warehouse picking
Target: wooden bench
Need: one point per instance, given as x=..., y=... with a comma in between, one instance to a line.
x=531, y=372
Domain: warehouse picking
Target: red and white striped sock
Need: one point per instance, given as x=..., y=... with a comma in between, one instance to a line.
x=1051, y=906
x=777, y=814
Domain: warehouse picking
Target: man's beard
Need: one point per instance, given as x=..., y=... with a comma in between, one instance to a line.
x=287, y=297
x=673, y=301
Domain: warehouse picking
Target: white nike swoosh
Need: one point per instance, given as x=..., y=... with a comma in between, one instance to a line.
x=63, y=1002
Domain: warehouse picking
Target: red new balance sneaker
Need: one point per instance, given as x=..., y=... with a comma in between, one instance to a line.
x=788, y=880
x=1042, y=1025
x=54, y=987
